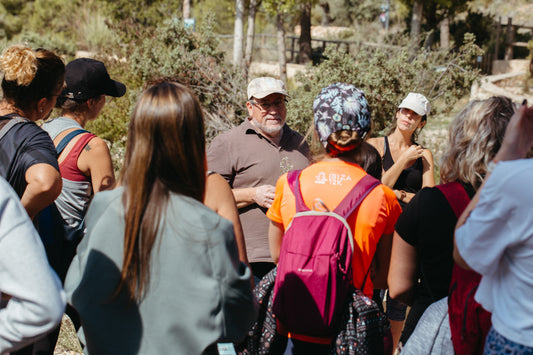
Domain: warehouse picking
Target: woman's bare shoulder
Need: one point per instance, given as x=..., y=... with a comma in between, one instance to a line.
x=377, y=142
x=217, y=191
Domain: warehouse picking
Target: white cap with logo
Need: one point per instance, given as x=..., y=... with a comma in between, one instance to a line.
x=264, y=86
x=417, y=103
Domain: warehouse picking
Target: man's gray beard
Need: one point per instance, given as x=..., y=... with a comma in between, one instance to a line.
x=267, y=129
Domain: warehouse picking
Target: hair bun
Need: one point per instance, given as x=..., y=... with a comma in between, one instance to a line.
x=19, y=64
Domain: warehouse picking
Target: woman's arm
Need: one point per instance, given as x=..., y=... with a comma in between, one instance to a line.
x=402, y=270
x=44, y=185
x=275, y=233
x=412, y=153
x=95, y=161
x=428, y=170
x=219, y=197
x=382, y=261
x=428, y=177
x=36, y=298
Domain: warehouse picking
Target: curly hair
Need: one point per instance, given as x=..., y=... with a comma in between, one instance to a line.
x=475, y=136
x=30, y=75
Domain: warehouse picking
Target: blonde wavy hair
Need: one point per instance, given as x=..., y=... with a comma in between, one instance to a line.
x=475, y=136
x=30, y=75
x=19, y=64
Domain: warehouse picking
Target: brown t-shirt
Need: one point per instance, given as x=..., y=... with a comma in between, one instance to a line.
x=245, y=158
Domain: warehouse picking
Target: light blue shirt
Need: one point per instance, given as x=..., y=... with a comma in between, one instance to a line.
x=497, y=242
x=37, y=299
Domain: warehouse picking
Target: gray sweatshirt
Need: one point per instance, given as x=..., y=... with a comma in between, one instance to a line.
x=37, y=299
x=198, y=293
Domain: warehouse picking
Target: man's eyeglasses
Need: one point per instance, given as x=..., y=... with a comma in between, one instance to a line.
x=267, y=106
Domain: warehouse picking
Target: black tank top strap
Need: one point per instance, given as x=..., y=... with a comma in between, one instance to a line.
x=387, y=157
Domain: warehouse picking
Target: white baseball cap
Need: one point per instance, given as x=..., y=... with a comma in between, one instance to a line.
x=416, y=102
x=264, y=86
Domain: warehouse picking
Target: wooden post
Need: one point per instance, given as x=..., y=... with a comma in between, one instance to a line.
x=509, y=39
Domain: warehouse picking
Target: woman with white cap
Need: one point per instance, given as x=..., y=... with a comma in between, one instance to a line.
x=407, y=166
x=421, y=259
x=342, y=120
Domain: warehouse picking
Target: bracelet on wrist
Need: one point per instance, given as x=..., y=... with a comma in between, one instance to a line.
x=402, y=195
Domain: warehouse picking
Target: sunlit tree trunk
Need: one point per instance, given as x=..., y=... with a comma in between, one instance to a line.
x=238, y=33
x=445, y=33
x=305, y=33
x=326, y=17
x=416, y=20
x=186, y=8
x=281, y=46
x=416, y=24
x=250, y=34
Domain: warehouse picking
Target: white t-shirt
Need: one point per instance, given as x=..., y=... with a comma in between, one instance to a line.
x=497, y=242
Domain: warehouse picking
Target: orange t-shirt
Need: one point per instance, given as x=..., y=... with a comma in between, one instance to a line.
x=331, y=181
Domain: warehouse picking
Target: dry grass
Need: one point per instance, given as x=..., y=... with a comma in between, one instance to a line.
x=68, y=343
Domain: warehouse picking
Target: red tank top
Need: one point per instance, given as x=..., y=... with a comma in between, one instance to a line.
x=69, y=166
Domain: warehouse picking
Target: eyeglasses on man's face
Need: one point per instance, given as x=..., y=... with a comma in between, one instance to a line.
x=269, y=105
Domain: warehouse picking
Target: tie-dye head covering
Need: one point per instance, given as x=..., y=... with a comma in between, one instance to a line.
x=341, y=107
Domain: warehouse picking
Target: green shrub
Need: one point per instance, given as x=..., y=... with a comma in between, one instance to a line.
x=56, y=42
x=174, y=52
x=193, y=59
x=386, y=76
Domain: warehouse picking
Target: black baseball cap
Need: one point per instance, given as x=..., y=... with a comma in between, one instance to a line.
x=87, y=78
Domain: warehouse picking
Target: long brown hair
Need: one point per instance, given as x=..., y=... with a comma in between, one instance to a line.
x=30, y=75
x=165, y=153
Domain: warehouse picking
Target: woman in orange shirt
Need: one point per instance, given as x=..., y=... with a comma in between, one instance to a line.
x=342, y=121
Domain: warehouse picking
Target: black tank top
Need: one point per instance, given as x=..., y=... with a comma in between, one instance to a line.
x=410, y=180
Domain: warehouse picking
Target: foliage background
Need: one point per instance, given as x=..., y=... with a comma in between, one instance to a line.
x=140, y=40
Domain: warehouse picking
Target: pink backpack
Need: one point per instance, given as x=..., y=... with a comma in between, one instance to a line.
x=315, y=265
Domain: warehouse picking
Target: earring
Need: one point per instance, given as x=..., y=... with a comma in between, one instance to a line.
x=41, y=110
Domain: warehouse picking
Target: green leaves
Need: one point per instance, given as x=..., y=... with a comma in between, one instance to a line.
x=193, y=59
x=386, y=76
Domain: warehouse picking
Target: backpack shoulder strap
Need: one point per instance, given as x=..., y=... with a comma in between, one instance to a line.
x=456, y=196
x=13, y=121
x=65, y=141
x=293, y=179
x=356, y=195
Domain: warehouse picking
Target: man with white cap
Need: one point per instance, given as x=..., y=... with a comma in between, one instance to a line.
x=252, y=156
